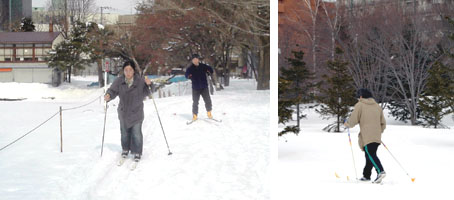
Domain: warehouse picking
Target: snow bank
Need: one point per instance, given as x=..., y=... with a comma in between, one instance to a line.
x=75, y=91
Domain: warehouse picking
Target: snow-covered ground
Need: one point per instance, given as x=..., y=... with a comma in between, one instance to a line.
x=308, y=163
x=76, y=91
x=228, y=160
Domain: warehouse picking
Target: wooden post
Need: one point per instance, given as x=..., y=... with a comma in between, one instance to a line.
x=61, y=131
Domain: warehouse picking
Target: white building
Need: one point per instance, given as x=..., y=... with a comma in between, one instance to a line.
x=23, y=57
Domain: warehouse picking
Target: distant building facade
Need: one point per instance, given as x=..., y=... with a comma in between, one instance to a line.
x=23, y=57
x=13, y=13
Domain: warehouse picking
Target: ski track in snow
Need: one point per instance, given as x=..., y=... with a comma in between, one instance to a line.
x=211, y=160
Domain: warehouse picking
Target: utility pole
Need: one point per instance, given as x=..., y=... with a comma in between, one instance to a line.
x=102, y=8
x=102, y=61
x=66, y=18
x=9, y=15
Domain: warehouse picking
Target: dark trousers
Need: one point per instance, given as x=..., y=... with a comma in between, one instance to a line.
x=372, y=161
x=195, y=100
x=132, y=138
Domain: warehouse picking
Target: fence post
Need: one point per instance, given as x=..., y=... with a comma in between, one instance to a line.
x=61, y=131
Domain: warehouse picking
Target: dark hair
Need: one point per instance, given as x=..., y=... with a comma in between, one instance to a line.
x=195, y=56
x=363, y=92
x=129, y=63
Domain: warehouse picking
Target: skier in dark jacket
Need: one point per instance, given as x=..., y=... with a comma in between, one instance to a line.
x=132, y=90
x=197, y=72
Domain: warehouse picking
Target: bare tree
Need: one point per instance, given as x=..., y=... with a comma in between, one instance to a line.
x=358, y=39
x=67, y=12
x=333, y=12
x=398, y=45
x=81, y=10
x=307, y=14
x=249, y=18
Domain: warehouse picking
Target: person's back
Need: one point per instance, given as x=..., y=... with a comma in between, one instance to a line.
x=369, y=115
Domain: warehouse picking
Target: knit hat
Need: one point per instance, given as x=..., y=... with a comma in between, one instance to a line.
x=363, y=92
x=195, y=56
x=129, y=63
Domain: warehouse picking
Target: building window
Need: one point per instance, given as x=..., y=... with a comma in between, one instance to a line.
x=6, y=52
x=24, y=52
x=2, y=53
x=28, y=52
x=42, y=51
x=19, y=53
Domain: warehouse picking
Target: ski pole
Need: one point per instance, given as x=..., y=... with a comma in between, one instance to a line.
x=412, y=179
x=351, y=148
x=168, y=148
x=104, y=129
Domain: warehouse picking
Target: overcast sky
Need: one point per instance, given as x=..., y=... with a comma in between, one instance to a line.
x=120, y=6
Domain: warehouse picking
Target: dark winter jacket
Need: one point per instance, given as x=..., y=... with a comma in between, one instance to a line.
x=130, y=109
x=198, y=76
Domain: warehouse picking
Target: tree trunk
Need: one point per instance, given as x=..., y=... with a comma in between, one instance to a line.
x=100, y=74
x=138, y=70
x=226, y=76
x=264, y=64
x=214, y=76
x=69, y=74
x=298, y=115
x=227, y=68
x=252, y=60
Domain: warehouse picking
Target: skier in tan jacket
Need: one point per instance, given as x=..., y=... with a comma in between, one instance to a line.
x=369, y=115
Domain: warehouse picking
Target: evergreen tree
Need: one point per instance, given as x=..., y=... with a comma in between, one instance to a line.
x=438, y=96
x=400, y=111
x=337, y=93
x=99, y=39
x=294, y=87
x=285, y=109
x=451, y=55
x=27, y=25
x=73, y=53
x=397, y=107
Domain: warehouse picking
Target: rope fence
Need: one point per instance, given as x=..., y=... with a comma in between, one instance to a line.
x=47, y=120
x=181, y=88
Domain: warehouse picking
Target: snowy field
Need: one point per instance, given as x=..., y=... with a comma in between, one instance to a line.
x=308, y=162
x=228, y=160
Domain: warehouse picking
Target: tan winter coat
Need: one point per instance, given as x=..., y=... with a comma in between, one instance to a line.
x=369, y=115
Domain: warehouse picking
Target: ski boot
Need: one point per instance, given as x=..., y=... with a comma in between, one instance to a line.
x=137, y=157
x=209, y=115
x=124, y=154
x=380, y=177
